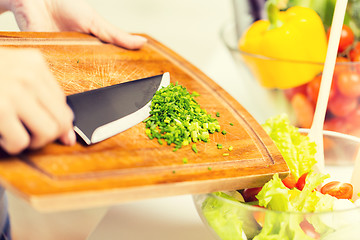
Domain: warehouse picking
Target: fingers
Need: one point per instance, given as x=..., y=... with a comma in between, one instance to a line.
x=53, y=100
x=111, y=34
x=68, y=138
x=39, y=121
x=33, y=108
x=14, y=138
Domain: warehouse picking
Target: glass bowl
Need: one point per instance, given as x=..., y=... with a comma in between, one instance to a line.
x=257, y=71
x=242, y=221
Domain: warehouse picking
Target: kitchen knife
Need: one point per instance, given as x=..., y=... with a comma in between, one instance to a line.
x=105, y=112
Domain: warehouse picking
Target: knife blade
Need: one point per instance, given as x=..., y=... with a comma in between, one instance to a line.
x=104, y=112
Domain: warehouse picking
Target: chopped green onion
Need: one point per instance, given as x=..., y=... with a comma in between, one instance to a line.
x=185, y=160
x=209, y=168
x=226, y=154
x=231, y=124
x=178, y=119
x=193, y=147
x=223, y=132
x=219, y=146
x=217, y=114
x=231, y=148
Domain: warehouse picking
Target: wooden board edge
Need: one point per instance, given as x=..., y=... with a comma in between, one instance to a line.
x=80, y=200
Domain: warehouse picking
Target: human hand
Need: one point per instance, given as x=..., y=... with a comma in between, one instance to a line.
x=69, y=15
x=33, y=109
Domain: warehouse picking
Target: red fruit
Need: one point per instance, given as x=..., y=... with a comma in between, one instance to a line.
x=354, y=117
x=337, y=124
x=341, y=105
x=290, y=92
x=313, y=88
x=309, y=229
x=303, y=109
x=249, y=194
x=346, y=39
x=301, y=182
x=289, y=181
x=355, y=53
x=348, y=83
x=338, y=190
x=342, y=64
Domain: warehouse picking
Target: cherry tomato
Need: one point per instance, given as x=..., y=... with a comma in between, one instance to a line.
x=346, y=39
x=301, y=182
x=354, y=53
x=354, y=117
x=289, y=181
x=341, y=106
x=341, y=59
x=355, y=131
x=249, y=194
x=338, y=124
x=290, y=92
x=342, y=64
x=348, y=83
x=313, y=88
x=338, y=190
x=303, y=110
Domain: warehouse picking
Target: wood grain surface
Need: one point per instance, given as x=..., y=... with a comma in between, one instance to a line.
x=130, y=166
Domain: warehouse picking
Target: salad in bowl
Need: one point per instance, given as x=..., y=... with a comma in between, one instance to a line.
x=305, y=205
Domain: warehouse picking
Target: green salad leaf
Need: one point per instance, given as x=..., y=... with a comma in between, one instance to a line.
x=296, y=149
x=229, y=219
x=276, y=196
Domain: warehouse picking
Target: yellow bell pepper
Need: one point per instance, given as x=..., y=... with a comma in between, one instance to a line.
x=288, y=49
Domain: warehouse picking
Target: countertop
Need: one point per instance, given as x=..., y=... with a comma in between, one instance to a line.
x=190, y=28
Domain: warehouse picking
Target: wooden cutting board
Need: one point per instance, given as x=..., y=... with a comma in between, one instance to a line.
x=130, y=166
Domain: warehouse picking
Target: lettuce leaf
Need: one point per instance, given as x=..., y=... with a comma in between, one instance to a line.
x=232, y=221
x=296, y=149
x=274, y=195
x=307, y=199
x=228, y=219
x=280, y=224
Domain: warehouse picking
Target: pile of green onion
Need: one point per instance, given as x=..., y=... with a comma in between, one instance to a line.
x=177, y=118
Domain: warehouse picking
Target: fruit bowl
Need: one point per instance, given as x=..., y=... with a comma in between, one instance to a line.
x=259, y=72
x=228, y=219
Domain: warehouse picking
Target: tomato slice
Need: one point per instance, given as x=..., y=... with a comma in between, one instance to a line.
x=249, y=194
x=309, y=229
x=289, y=181
x=338, y=189
x=301, y=182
